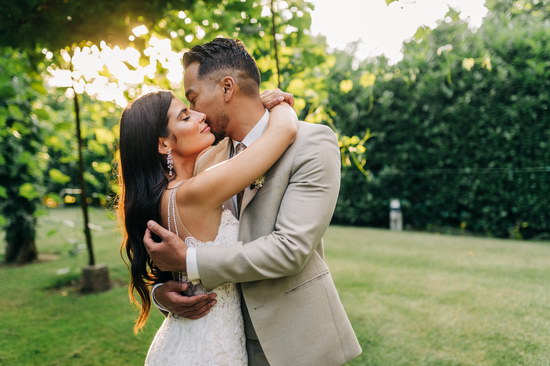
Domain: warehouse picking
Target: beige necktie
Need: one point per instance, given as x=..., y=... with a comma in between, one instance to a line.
x=238, y=149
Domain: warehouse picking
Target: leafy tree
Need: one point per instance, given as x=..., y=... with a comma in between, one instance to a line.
x=514, y=8
x=21, y=155
x=26, y=24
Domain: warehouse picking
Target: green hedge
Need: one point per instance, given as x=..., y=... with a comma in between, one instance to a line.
x=462, y=132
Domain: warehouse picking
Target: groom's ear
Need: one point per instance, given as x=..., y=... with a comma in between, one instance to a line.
x=228, y=85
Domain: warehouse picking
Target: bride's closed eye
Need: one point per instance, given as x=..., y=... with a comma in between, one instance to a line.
x=185, y=115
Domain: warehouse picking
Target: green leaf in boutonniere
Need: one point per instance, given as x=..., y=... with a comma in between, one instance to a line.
x=258, y=183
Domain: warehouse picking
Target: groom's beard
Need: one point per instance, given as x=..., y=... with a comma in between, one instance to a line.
x=218, y=127
x=217, y=137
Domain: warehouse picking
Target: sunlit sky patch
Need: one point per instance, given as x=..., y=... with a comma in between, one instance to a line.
x=381, y=29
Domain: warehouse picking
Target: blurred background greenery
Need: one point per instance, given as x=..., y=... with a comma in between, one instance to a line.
x=458, y=130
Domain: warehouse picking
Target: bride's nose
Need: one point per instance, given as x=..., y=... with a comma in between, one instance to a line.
x=201, y=116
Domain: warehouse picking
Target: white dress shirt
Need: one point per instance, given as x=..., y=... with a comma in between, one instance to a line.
x=192, y=266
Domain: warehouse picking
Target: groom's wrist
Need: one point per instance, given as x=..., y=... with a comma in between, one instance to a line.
x=192, y=265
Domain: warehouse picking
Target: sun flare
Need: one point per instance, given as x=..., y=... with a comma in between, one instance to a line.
x=112, y=73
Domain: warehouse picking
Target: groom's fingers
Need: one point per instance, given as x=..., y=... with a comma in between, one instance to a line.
x=195, y=310
x=159, y=230
x=165, y=235
x=147, y=238
x=199, y=312
x=190, y=303
x=148, y=241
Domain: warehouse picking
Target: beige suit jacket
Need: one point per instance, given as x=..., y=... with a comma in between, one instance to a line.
x=288, y=289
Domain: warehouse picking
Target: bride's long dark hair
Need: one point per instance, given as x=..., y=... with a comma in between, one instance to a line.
x=142, y=180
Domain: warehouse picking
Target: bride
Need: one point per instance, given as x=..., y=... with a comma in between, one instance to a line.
x=160, y=140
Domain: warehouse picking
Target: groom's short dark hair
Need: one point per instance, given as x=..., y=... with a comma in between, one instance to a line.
x=225, y=54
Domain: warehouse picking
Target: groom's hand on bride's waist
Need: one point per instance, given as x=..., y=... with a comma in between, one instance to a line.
x=170, y=254
x=169, y=295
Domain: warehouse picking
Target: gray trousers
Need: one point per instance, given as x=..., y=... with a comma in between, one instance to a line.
x=256, y=356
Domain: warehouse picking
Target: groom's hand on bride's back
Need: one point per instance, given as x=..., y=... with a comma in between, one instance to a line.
x=170, y=296
x=170, y=254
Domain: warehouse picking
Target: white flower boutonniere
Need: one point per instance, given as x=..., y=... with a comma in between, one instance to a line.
x=258, y=183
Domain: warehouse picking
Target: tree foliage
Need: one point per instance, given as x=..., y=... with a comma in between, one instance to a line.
x=22, y=155
x=56, y=24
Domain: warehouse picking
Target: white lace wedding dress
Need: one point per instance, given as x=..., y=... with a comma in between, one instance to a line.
x=216, y=339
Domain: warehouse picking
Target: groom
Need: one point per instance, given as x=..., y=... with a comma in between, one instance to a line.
x=292, y=312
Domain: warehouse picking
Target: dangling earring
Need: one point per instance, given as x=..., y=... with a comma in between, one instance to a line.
x=170, y=162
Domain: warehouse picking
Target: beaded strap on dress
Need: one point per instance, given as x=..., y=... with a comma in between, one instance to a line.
x=178, y=276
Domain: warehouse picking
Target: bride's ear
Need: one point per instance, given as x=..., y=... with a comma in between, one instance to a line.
x=163, y=148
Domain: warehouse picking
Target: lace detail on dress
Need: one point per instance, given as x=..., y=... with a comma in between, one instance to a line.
x=228, y=229
x=215, y=339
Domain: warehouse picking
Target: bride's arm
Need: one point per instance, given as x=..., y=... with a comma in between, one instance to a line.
x=214, y=186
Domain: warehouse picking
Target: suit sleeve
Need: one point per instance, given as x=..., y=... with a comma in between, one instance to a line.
x=304, y=215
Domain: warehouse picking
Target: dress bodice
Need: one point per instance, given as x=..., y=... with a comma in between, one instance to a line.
x=228, y=232
x=218, y=337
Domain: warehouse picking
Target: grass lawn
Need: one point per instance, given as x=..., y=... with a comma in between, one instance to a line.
x=413, y=299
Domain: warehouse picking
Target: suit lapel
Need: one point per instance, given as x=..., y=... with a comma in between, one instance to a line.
x=247, y=198
x=212, y=156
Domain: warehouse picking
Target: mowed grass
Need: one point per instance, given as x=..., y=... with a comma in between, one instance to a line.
x=413, y=299
x=428, y=299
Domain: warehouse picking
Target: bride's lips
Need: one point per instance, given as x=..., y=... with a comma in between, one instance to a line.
x=206, y=129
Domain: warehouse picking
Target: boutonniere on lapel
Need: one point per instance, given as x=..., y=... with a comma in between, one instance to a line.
x=258, y=183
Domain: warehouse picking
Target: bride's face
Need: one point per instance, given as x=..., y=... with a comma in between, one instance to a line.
x=188, y=132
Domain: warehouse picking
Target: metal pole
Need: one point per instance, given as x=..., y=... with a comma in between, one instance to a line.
x=275, y=46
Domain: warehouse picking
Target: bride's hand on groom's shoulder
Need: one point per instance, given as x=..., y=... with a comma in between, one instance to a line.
x=168, y=255
x=272, y=98
x=170, y=296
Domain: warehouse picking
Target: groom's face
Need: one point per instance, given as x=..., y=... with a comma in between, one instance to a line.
x=206, y=95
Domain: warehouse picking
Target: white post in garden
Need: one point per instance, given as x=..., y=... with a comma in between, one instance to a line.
x=396, y=216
